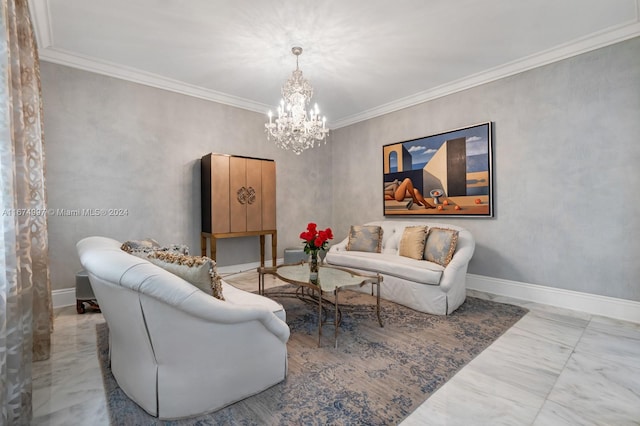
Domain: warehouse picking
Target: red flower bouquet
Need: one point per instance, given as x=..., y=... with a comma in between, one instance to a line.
x=315, y=239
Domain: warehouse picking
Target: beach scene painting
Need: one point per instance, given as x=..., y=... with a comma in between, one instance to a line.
x=446, y=174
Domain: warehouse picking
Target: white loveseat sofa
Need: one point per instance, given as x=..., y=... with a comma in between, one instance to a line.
x=175, y=350
x=419, y=284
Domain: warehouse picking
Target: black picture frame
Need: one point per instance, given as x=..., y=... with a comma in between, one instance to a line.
x=447, y=174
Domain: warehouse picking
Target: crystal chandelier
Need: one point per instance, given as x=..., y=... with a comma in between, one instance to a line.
x=294, y=128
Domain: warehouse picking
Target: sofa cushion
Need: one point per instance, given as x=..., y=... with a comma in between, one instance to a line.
x=420, y=271
x=198, y=270
x=440, y=245
x=412, y=242
x=365, y=238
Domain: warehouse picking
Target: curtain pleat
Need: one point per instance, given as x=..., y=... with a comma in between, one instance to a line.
x=26, y=315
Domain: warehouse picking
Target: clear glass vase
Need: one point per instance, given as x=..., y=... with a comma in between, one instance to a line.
x=313, y=266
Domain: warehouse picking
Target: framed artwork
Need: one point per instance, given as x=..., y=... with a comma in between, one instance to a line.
x=448, y=174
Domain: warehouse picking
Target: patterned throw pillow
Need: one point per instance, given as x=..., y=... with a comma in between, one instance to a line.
x=365, y=238
x=142, y=248
x=198, y=270
x=440, y=246
x=412, y=242
x=175, y=248
x=145, y=246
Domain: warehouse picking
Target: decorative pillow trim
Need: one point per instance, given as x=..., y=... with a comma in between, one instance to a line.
x=179, y=259
x=146, y=246
x=142, y=248
x=175, y=248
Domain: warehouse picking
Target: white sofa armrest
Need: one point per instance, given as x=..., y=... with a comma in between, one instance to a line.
x=457, y=267
x=341, y=246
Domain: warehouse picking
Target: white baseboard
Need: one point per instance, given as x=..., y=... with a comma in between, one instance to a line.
x=63, y=297
x=622, y=309
x=245, y=267
x=67, y=296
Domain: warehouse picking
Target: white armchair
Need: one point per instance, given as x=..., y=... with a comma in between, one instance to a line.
x=175, y=350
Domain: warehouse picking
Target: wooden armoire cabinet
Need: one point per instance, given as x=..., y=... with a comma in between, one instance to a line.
x=238, y=200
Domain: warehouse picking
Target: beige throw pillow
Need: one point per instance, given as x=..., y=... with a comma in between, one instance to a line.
x=198, y=270
x=365, y=238
x=412, y=242
x=441, y=245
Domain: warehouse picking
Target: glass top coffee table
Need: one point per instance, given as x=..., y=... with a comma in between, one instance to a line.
x=330, y=280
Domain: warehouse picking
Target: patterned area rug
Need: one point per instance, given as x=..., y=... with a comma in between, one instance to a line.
x=377, y=376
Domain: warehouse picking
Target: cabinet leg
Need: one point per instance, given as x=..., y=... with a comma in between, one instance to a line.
x=274, y=247
x=214, y=248
x=262, y=250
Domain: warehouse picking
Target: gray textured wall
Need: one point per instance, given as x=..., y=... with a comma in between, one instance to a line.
x=565, y=155
x=115, y=144
x=566, y=180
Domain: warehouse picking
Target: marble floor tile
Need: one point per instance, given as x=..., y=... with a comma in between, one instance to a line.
x=91, y=412
x=465, y=400
x=68, y=387
x=477, y=396
x=620, y=347
x=553, y=328
x=593, y=391
x=557, y=415
x=523, y=359
x=615, y=327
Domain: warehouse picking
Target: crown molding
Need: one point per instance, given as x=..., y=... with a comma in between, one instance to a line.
x=568, y=50
x=74, y=60
x=42, y=23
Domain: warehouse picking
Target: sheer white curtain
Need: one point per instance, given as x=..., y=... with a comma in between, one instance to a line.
x=26, y=318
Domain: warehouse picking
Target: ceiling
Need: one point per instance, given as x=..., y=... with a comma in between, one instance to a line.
x=364, y=58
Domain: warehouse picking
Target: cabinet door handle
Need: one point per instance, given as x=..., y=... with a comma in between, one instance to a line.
x=242, y=195
x=246, y=195
x=251, y=195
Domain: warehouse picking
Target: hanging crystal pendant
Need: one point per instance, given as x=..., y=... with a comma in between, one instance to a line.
x=294, y=128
